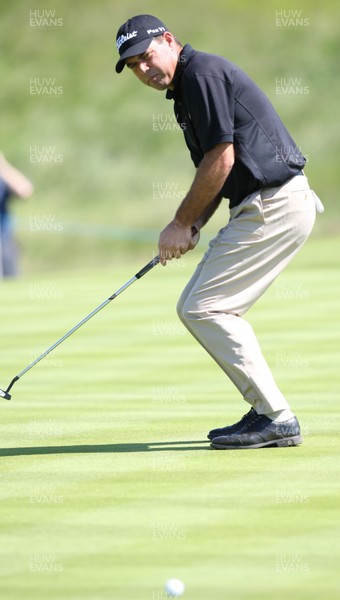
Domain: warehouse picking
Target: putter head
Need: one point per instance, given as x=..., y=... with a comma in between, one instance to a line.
x=5, y=395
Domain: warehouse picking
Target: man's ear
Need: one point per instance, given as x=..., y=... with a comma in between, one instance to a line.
x=169, y=38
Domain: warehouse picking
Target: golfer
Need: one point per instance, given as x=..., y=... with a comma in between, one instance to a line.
x=242, y=152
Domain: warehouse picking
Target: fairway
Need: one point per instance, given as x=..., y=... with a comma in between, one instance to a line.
x=108, y=484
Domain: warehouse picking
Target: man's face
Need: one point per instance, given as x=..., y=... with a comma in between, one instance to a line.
x=156, y=66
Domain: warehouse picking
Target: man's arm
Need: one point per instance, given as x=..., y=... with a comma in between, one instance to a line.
x=208, y=212
x=16, y=181
x=199, y=204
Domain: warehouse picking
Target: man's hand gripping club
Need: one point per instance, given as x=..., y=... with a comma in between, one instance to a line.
x=176, y=239
x=199, y=204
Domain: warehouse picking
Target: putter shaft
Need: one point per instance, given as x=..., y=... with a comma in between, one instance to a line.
x=143, y=271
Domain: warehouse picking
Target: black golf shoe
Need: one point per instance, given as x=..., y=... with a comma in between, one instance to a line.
x=260, y=432
x=229, y=429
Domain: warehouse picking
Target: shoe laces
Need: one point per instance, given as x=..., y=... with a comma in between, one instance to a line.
x=250, y=412
x=255, y=418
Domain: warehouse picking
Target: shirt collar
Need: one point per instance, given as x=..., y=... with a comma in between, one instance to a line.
x=185, y=55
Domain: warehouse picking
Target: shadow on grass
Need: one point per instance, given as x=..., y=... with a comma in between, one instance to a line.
x=114, y=448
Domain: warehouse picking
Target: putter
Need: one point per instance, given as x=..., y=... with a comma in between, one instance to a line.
x=7, y=396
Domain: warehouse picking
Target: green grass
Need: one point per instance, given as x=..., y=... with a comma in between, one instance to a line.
x=108, y=486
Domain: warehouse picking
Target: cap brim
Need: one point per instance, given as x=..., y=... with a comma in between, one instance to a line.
x=133, y=51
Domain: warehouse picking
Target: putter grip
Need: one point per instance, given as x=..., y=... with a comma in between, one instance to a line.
x=147, y=267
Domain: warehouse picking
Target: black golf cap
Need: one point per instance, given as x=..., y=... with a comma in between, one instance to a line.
x=135, y=36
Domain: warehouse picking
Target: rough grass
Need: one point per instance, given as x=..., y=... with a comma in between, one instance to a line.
x=103, y=125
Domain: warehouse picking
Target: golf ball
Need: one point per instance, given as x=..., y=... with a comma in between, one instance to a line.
x=174, y=587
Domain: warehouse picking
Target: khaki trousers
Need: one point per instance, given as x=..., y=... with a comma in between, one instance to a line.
x=263, y=234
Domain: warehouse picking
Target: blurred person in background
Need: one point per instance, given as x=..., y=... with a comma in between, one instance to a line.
x=12, y=183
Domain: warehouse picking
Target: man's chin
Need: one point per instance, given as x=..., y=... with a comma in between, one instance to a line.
x=157, y=85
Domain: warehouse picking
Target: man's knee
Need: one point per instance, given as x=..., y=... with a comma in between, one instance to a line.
x=180, y=308
x=188, y=309
x=192, y=309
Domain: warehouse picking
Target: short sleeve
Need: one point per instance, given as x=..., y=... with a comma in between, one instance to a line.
x=210, y=104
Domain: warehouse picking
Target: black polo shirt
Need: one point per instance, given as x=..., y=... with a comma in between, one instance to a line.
x=216, y=102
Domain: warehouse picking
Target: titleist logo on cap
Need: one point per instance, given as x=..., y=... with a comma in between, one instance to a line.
x=123, y=38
